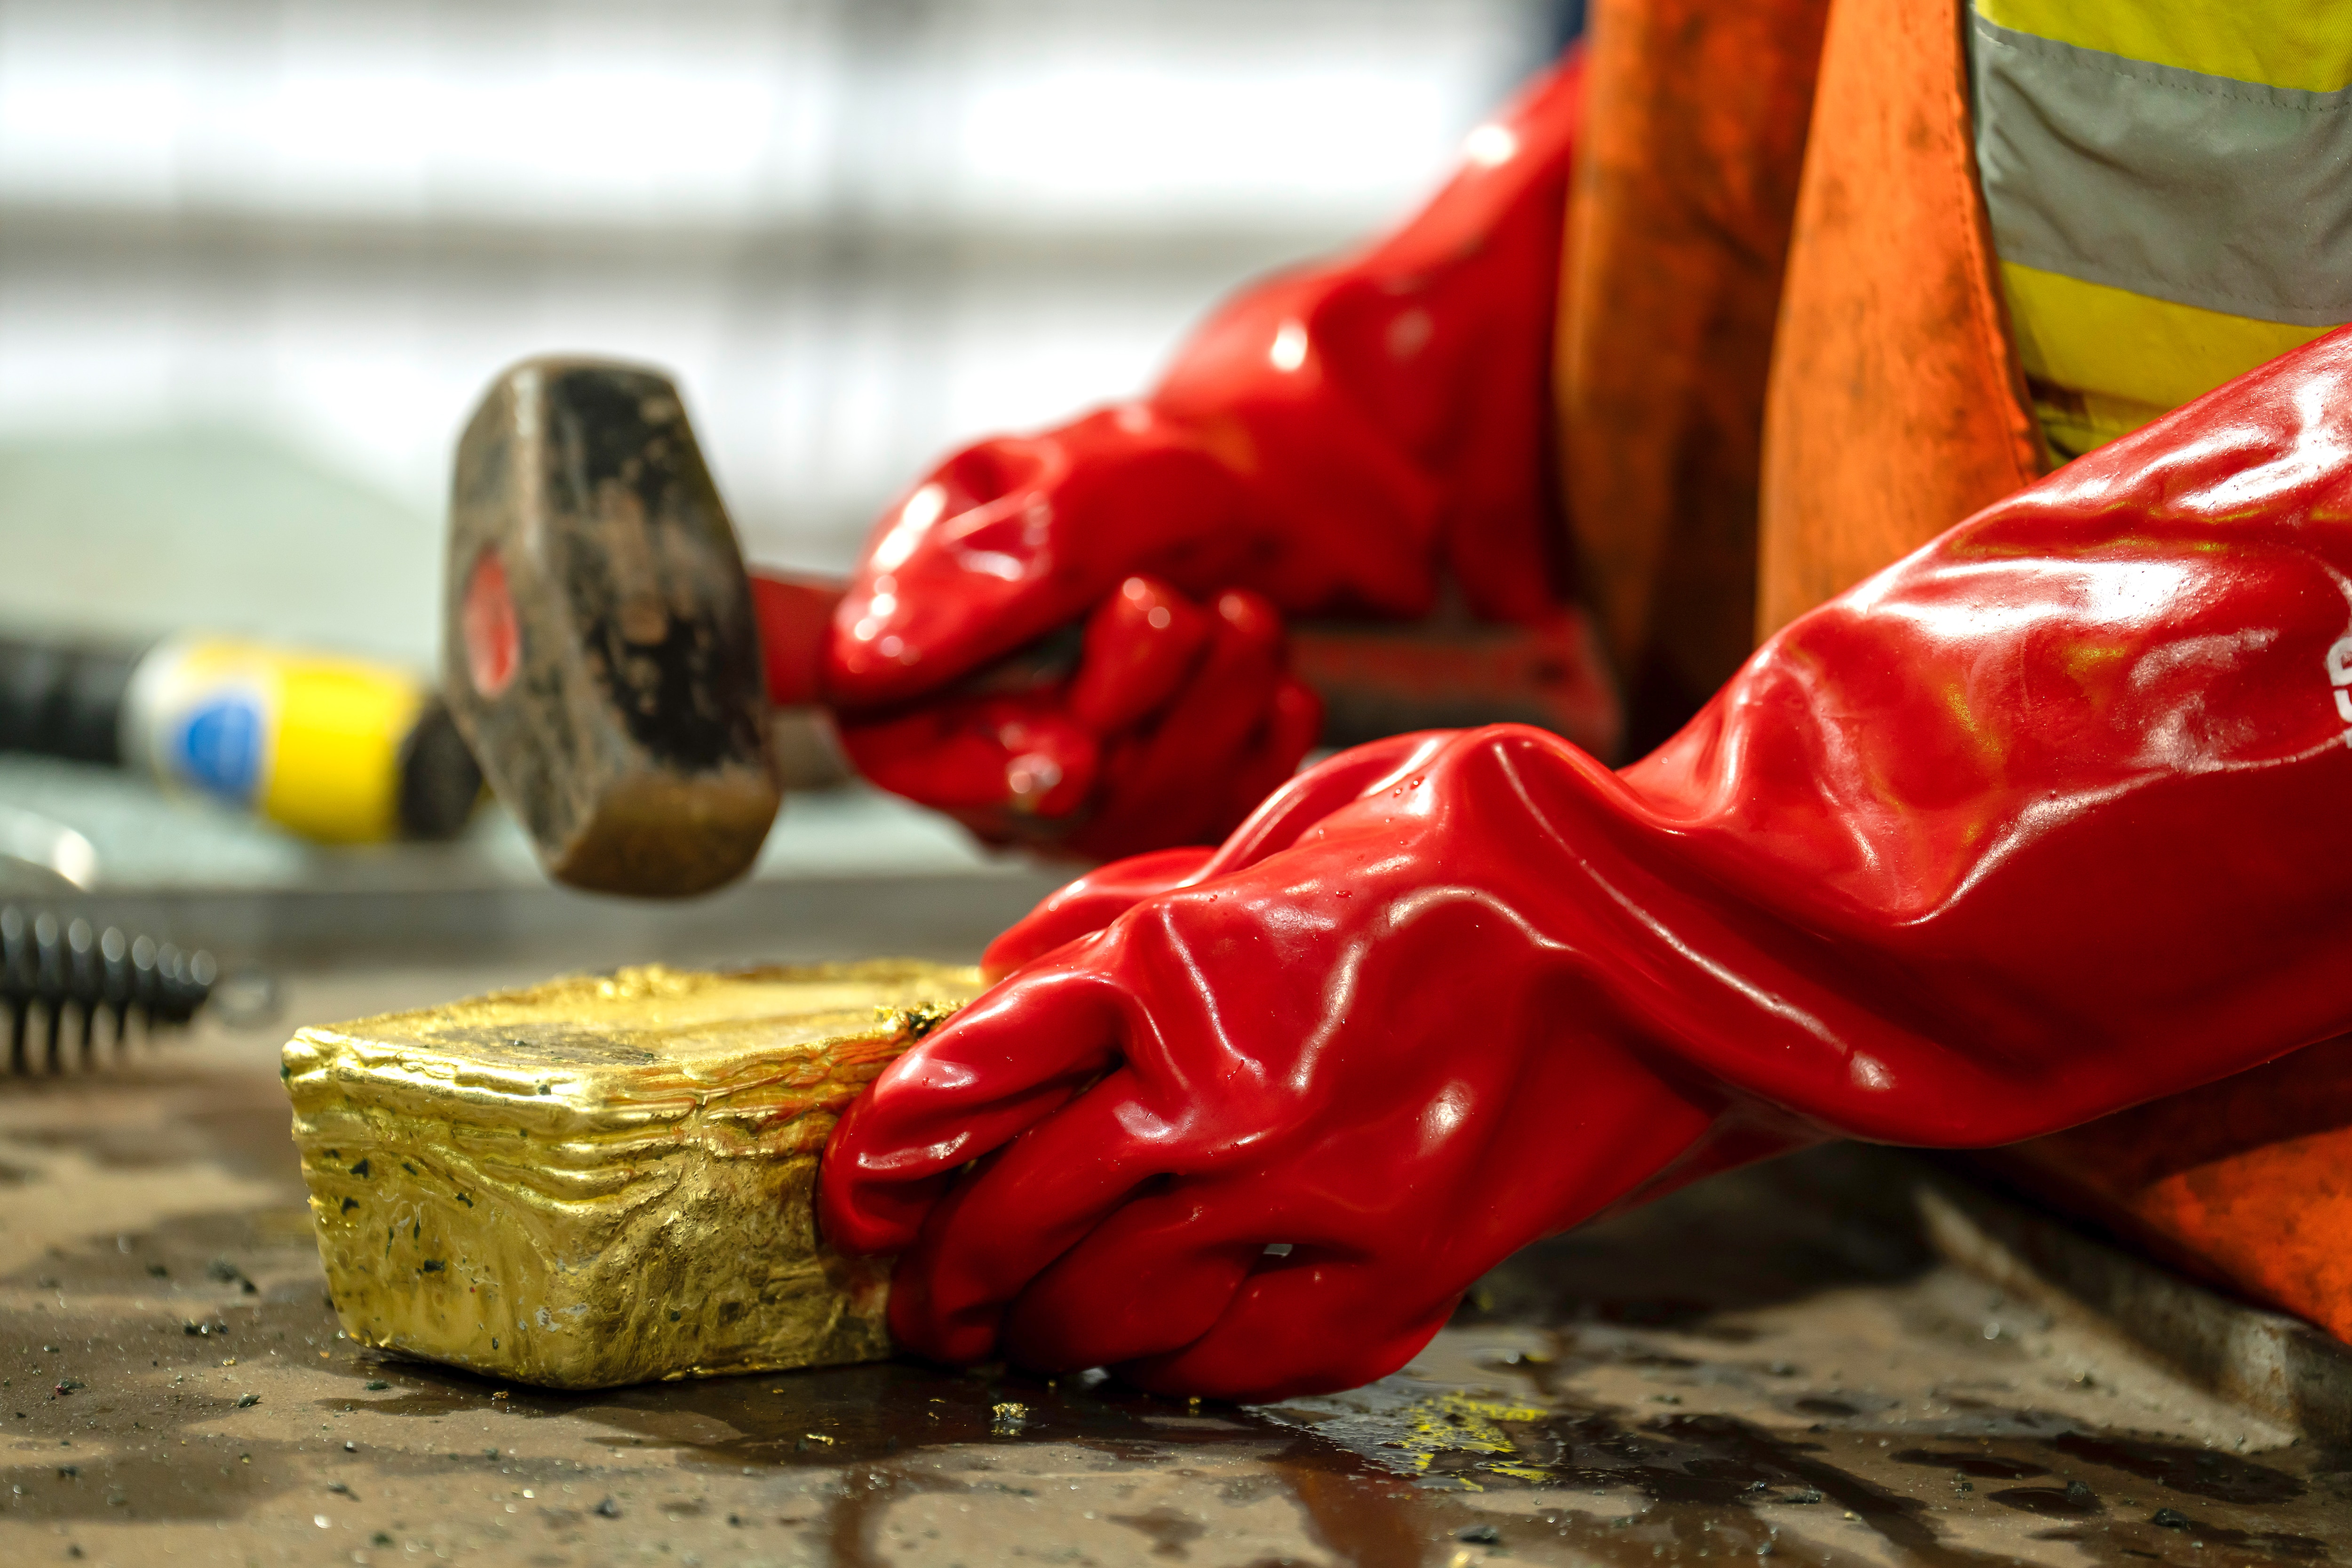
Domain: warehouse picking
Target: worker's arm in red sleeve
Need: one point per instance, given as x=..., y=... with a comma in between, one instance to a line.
x=2042, y=821
x=1335, y=441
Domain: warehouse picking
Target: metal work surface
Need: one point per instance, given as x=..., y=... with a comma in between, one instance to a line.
x=1772, y=1364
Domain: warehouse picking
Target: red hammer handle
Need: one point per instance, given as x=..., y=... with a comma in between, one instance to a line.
x=794, y=613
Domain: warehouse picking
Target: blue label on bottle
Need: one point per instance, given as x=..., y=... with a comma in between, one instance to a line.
x=219, y=747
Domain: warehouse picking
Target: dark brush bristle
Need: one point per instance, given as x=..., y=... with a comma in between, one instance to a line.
x=47, y=970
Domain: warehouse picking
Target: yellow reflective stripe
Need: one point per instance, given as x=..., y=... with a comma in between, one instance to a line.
x=334, y=770
x=2123, y=357
x=2080, y=422
x=2305, y=44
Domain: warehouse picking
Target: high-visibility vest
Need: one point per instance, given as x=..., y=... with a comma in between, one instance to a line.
x=2166, y=184
x=1787, y=352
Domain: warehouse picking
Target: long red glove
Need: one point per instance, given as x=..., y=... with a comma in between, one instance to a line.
x=1335, y=441
x=2047, y=819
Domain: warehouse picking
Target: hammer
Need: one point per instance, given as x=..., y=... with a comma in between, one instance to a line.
x=614, y=665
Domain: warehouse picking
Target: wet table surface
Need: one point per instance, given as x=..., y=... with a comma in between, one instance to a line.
x=1770, y=1364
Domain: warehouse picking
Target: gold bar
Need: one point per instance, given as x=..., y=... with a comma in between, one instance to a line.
x=605, y=1180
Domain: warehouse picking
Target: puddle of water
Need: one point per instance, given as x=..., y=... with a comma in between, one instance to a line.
x=2180, y=1468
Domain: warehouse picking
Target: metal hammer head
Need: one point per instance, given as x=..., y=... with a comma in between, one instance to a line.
x=598, y=650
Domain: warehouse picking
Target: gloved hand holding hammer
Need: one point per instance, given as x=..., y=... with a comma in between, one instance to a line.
x=1339, y=441
x=1075, y=640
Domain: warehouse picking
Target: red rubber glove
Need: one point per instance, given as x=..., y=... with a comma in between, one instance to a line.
x=2045, y=820
x=1332, y=442
x=1179, y=719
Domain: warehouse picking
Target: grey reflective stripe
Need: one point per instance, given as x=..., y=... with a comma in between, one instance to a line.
x=2169, y=183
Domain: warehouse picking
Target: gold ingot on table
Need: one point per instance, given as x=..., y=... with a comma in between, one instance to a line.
x=605, y=1180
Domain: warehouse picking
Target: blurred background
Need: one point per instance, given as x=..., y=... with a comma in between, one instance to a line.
x=257, y=259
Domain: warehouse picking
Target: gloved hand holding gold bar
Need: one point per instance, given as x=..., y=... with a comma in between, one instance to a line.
x=1941, y=865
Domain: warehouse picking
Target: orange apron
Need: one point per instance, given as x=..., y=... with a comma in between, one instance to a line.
x=1783, y=362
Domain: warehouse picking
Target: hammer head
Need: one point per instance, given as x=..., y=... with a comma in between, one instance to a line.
x=599, y=651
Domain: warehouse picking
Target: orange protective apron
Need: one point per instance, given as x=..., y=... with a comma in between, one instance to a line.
x=1784, y=362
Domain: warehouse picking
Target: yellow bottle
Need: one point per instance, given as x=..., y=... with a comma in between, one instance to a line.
x=339, y=750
